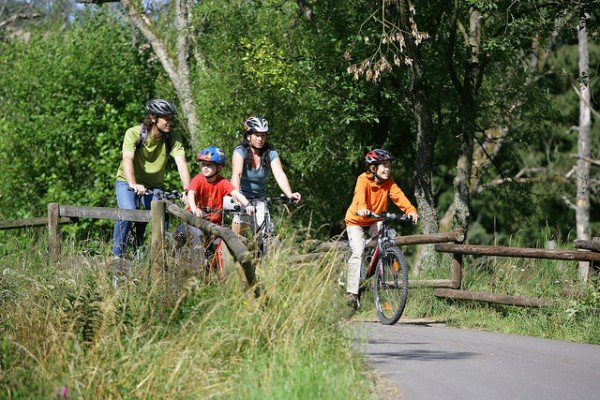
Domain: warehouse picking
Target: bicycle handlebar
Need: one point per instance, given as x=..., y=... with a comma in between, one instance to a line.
x=281, y=199
x=391, y=217
x=161, y=194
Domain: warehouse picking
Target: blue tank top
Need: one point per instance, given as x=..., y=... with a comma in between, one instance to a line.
x=253, y=182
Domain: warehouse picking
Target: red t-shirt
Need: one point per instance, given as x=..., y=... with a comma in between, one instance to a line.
x=210, y=194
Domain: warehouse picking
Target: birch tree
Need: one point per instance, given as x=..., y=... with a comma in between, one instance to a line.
x=582, y=208
x=177, y=68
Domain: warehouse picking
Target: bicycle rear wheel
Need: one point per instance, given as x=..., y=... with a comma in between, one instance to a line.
x=391, y=285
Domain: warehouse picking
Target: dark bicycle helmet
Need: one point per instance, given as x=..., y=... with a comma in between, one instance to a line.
x=377, y=156
x=161, y=108
x=256, y=124
x=212, y=154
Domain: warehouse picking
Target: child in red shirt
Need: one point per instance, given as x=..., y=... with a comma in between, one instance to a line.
x=205, y=195
x=207, y=189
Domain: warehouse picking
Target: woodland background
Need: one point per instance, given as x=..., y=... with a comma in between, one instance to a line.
x=479, y=101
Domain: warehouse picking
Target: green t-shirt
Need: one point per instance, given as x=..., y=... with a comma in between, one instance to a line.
x=150, y=160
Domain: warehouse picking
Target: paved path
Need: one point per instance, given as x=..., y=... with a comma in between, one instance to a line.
x=434, y=362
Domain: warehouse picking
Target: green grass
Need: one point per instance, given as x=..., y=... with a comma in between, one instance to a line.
x=169, y=335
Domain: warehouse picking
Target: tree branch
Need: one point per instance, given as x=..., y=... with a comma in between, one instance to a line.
x=588, y=159
x=568, y=202
x=16, y=17
x=450, y=49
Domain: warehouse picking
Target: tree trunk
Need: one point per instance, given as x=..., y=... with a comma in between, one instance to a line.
x=582, y=210
x=184, y=90
x=425, y=142
x=179, y=73
x=468, y=114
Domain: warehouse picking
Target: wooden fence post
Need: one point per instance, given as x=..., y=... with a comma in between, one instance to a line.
x=53, y=232
x=456, y=271
x=157, y=253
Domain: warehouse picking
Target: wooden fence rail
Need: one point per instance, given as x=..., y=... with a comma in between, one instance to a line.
x=156, y=215
x=62, y=214
x=31, y=222
x=500, y=251
x=458, y=250
x=325, y=249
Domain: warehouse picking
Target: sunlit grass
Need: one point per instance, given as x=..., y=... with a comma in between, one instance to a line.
x=167, y=334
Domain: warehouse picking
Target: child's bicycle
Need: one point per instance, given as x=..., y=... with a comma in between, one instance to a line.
x=389, y=266
x=213, y=261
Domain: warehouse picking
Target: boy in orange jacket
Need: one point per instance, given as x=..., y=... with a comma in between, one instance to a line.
x=373, y=189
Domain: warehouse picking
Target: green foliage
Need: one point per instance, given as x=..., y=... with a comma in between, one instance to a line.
x=68, y=94
x=67, y=98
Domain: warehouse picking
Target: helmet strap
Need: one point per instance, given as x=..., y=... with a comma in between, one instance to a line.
x=218, y=170
x=377, y=178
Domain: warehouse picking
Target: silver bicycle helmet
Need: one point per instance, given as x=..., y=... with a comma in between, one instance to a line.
x=256, y=124
x=161, y=108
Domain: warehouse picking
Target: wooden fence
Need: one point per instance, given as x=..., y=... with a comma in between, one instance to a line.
x=444, y=243
x=455, y=236
x=58, y=214
x=458, y=250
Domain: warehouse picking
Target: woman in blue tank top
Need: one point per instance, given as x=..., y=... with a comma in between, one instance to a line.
x=251, y=163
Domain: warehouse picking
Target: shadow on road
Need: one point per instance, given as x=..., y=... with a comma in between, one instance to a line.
x=421, y=355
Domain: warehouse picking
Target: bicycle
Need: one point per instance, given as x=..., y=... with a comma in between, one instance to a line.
x=213, y=246
x=134, y=240
x=263, y=234
x=389, y=266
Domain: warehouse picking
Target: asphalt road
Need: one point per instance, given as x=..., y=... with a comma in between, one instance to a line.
x=436, y=362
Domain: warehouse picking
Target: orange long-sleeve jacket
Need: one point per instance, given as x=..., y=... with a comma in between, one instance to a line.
x=370, y=195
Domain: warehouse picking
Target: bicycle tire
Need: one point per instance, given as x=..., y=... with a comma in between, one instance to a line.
x=390, y=288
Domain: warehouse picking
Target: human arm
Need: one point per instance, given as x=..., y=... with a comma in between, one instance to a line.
x=184, y=174
x=400, y=199
x=360, y=196
x=237, y=195
x=283, y=182
x=130, y=172
x=191, y=200
x=237, y=167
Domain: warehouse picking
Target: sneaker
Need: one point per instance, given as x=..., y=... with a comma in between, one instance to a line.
x=352, y=301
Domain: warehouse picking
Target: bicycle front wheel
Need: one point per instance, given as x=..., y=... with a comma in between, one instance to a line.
x=391, y=285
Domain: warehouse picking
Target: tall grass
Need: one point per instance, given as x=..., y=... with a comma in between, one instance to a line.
x=167, y=334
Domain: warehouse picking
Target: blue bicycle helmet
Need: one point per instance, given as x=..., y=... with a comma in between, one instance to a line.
x=212, y=154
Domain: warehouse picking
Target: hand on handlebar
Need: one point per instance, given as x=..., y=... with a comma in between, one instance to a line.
x=295, y=197
x=138, y=189
x=363, y=212
x=249, y=209
x=414, y=217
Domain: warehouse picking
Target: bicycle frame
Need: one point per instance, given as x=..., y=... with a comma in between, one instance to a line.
x=382, y=239
x=385, y=269
x=216, y=261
